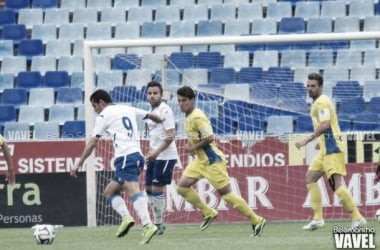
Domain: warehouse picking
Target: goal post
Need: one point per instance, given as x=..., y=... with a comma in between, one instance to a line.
x=89, y=87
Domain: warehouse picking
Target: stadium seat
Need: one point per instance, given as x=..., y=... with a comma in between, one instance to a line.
x=81, y=112
x=70, y=64
x=58, y=48
x=181, y=60
x=85, y=15
x=113, y=16
x=222, y=125
x=153, y=3
x=331, y=75
x=16, y=5
x=366, y=122
x=294, y=106
x=192, y=12
x=279, y=124
x=15, y=32
x=16, y=131
x=293, y=59
x=236, y=27
x=291, y=25
x=152, y=62
x=71, y=32
x=265, y=59
x=300, y=74
x=264, y=93
x=61, y=112
x=264, y=27
x=153, y=30
x=209, y=28
x=56, y=16
x=173, y=77
x=363, y=74
x=124, y=3
x=74, y=130
x=236, y=60
x=44, y=32
x=194, y=77
x=124, y=94
x=222, y=75
x=67, y=95
x=14, y=97
x=30, y=17
x=321, y=59
x=7, y=16
x=98, y=31
x=30, y=48
x=109, y=79
x=307, y=10
x=371, y=23
x=56, y=79
x=138, y=77
x=209, y=60
x=371, y=89
x=351, y=106
x=209, y=92
x=235, y=108
x=372, y=58
x=7, y=113
x=125, y=62
x=6, y=48
x=77, y=80
x=249, y=10
x=347, y=24
x=31, y=114
x=335, y=45
x=6, y=81
x=13, y=64
x=43, y=64
x=319, y=25
x=346, y=89
x=36, y=100
x=345, y=122
x=249, y=124
x=251, y=75
x=333, y=9
x=28, y=79
x=99, y=4
x=210, y=108
x=348, y=58
x=304, y=124
x=363, y=45
x=279, y=75
x=361, y=9
x=374, y=105
x=237, y=92
x=291, y=90
x=168, y=14
x=140, y=14
x=182, y=29
x=45, y=4
x=46, y=131
x=279, y=10
x=101, y=63
x=222, y=11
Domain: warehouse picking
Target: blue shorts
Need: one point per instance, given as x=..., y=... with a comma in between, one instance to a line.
x=159, y=172
x=128, y=167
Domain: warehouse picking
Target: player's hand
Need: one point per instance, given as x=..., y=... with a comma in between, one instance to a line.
x=10, y=177
x=151, y=156
x=74, y=170
x=188, y=148
x=377, y=177
x=299, y=144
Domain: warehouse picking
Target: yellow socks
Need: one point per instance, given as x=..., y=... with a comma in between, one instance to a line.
x=242, y=207
x=315, y=200
x=192, y=197
x=348, y=203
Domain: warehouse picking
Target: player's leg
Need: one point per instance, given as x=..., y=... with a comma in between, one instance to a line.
x=314, y=173
x=217, y=175
x=184, y=187
x=337, y=184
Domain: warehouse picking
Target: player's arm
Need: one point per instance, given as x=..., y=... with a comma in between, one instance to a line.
x=11, y=176
x=205, y=130
x=90, y=145
x=169, y=138
x=323, y=126
x=149, y=115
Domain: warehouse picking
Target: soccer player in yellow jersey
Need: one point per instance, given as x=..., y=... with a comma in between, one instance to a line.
x=10, y=175
x=331, y=157
x=209, y=163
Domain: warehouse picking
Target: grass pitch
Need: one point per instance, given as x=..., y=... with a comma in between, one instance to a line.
x=233, y=236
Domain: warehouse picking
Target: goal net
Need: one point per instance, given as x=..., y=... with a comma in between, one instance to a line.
x=253, y=90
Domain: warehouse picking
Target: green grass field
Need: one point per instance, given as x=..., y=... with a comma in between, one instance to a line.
x=284, y=236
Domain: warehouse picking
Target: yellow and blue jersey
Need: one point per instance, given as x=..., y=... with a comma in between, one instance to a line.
x=321, y=110
x=197, y=127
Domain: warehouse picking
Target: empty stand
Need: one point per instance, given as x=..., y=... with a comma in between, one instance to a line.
x=304, y=124
x=44, y=4
x=125, y=62
x=6, y=81
x=108, y=80
x=183, y=28
x=291, y=25
x=366, y=122
x=30, y=48
x=195, y=13
x=307, y=10
x=31, y=114
x=279, y=124
x=7, y=113
x=28, y=79
x=209, y=28
x=70, y=64
x=74, y=130
x=29, y=17
x=43, y=64
x=69, y=95
x=14, y=97
x=44, y=32
x=250, y=75
x=6, y=48
x=167, y=14
x=56, y=79
x=35, y=95
x=222, y=76
x=209, y=60
x=351, y=106
x=15, y=32
x=61, y=112
x=46, y=131
x=16, y=131
x=153, y=29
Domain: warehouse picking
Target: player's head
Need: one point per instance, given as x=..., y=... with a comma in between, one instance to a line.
x=154, y=93
x=314, y=85
x=186, y=99
x=100, y=99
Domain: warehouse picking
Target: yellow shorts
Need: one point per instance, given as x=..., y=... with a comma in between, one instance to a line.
x=330, y=164
x=215, y=173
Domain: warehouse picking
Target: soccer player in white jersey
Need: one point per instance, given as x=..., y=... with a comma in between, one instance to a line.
x=162, y=155
x=10, y=175
x=120, y=123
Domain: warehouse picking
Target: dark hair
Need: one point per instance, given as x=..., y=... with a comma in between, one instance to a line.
x=317, y=77
x=155, y=84
x=186, y=91
x=100, y=94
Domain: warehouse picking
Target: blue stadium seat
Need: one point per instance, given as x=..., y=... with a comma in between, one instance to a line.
x=44, y=4
x=345, y=122
x=209, y=92
x=61, y=112
x=235, y=108
x=291, y=25
x=346, y=89
x=351, y=106
x=209, y=60
x=168, y=14
x=279, y=75
x=307, y=10
x=67, y=95
x=30, y=17
x=374, y=105
x=7, y=113
x=6, y=48
x=222, y=11
x=15, y=97
x=249, y=10
x=28, y=79
x=13, y=64
x=35, y=97
x=304, y=124
x=195, y=12
x=153, y=29
x=183, y=28
x=279, y=10
x=264, y=93
x=333, y=9
x=17, y=4
x=43, y=64
x=74, y=130
x=30, y=48
x=140, y=14
x=210, y=108
x=15, y=32
x=44, y=32
x=222, y=125
x=56, y=79
x=222, y=76
x=18, y=131
x=6, y=81
x=56, y=16
x=181, y=60
x=292, y=90
x=31, y=114
x=209, y=28
x=125, y=62
x=249, y=124
x=7, y=16
x=124, y=94
x=366, y=122
x=46, y=131
x=250, y=75
x=294, y=106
